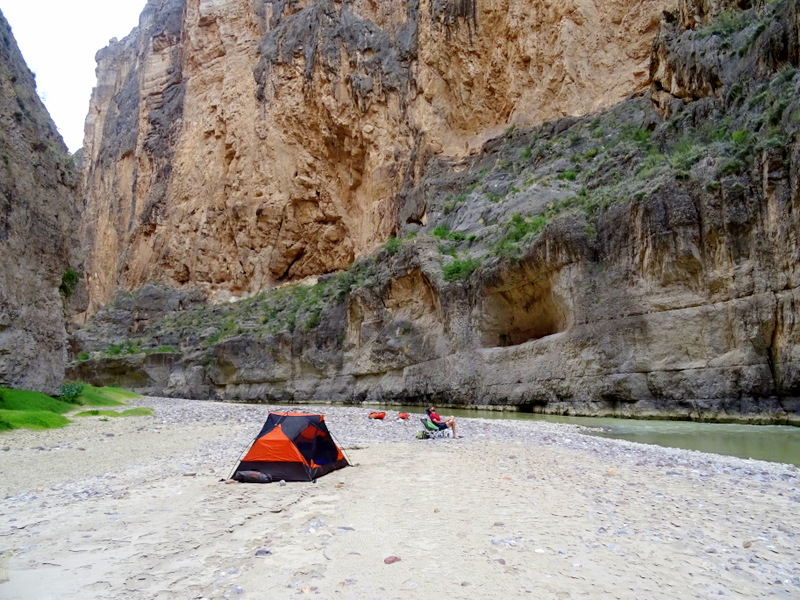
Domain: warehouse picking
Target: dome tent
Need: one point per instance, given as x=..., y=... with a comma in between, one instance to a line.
x=291, y=447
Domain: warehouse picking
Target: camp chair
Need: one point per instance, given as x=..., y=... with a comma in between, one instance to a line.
x=432, y=431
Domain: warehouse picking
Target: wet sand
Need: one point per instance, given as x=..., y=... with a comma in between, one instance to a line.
x=137, y=508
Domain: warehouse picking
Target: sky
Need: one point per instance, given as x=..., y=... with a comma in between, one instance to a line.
x=59, y=39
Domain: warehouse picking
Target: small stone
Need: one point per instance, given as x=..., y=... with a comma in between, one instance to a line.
x=502, y=561
x=190, y=474
x=282, y=482
x=7, y=449
x=263, y=552
x=710, y=550
x=747, y=544
x=391, y=559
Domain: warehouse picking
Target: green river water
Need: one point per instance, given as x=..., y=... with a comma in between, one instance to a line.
x=775, y=443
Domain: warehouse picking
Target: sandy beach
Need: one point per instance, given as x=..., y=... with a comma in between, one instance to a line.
x=138, y=508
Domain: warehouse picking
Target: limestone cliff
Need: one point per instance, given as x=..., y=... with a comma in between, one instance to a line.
x=641, y=260
x=39, y=222
x=233, y=145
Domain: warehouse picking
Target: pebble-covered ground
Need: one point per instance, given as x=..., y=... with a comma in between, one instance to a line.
x=533, y=508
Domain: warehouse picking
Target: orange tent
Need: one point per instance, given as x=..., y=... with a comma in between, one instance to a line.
x=292, y=447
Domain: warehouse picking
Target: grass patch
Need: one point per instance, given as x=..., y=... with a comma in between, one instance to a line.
x=31, y=419
x=24, y=400
x=34, y=410
x=105, y=396
x=132, y=412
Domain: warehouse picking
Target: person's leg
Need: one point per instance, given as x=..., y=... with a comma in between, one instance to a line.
x=452, y=424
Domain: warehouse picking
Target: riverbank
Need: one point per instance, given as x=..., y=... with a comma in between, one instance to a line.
x=135, y=508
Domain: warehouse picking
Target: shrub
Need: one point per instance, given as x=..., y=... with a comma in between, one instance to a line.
x=730, y=166
x=441, y=231
x=740, y=137
x=460, y=269
x=392, y=246
x=69, y=281
x=71, y=392
x=527, y=153
x=516, y=230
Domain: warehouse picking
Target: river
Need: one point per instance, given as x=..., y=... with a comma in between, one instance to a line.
x=775, y=443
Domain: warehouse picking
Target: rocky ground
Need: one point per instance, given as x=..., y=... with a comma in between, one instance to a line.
x=138, y=508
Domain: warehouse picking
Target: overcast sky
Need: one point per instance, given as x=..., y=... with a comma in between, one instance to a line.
x=59, y=39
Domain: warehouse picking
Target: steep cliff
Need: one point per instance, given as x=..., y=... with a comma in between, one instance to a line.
x=234, y=145
x=641, y=260
x=39, y=223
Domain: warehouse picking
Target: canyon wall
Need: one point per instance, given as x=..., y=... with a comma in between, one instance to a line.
x=39, y=222
x=641, y=260
x=235, y=145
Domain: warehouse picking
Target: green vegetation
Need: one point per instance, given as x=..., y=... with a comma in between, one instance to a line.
x=24, y=400
x=125, y=348
x=460, y=269
x=726, y=23
x=34, y=410
x=131, y=412
x=30, y=419
x=71, y=391
x=105, y=396
x=443, y=232
x=516, y=232
x=393, y=246
x=69, y=281
x=273, y=312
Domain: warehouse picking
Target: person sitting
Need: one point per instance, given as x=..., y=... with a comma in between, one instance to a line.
x=440, y=422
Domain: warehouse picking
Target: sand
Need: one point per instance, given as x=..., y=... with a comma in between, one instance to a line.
x=138, y=508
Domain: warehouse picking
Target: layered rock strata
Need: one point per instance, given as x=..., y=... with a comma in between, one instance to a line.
x=39, y=222
x=234, y=145
x=641, y=261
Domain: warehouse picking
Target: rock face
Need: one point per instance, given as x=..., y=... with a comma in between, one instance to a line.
x=39, y=223
x=233, y=145
x=639, y=261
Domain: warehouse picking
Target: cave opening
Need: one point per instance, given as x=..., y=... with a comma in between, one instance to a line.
x=513, y=316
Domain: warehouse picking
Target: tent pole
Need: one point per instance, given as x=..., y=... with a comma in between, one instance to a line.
x=341, y=447
x=241, y=454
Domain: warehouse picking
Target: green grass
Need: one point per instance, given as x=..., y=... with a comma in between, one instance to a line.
x=24, y=400
x=31, y=419
x=34, y=410
x=105, y=396
x=132, y=412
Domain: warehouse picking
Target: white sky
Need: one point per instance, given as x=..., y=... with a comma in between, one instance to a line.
x=59, y=39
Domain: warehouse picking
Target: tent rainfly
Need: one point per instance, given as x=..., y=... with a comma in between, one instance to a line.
x=291, y=447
